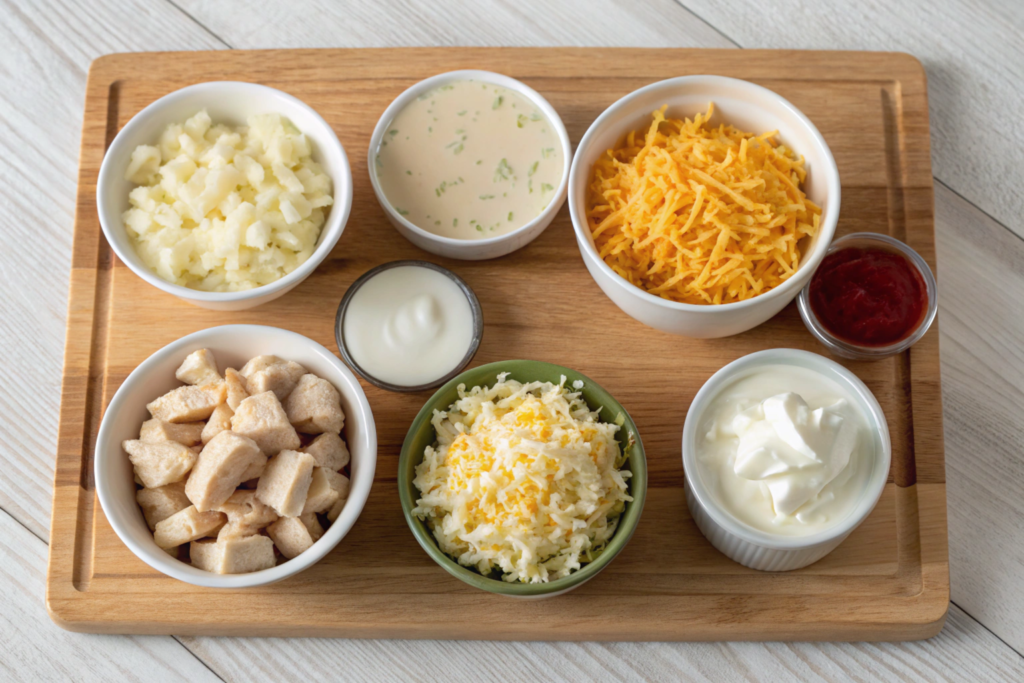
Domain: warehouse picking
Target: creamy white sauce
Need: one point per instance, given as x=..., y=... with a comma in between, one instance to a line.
x=785, y=450
x=408, y=326
x=470, y=160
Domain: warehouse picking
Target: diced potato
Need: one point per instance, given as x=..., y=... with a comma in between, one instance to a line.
x=187, y=525
x=329, y=451
x=325, y=490
x=222, y=465
x=198, y=368
x=314, y=406
x=187, y=433
x=262, y=419
x=144, y=165
x=159, y=464
x=333, y=513
x=188, y=403
x=285, y=483
x=235, y=555
x=220, y=421
x=160, y=503
x=270, y=373
x=290, y=536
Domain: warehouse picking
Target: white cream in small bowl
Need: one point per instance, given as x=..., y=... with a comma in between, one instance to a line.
x=470, y=164
x=785, y=453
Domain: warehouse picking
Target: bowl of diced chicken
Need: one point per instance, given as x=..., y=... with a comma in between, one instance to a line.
x=236, y=456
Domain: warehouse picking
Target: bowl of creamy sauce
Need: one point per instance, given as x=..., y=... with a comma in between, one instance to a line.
x=785, y=452
x=409, y=325
x=470, y=164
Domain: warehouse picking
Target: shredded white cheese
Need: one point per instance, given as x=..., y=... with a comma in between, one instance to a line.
x=524, y=479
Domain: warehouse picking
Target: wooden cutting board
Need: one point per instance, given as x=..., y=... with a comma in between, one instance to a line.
x=888, y=581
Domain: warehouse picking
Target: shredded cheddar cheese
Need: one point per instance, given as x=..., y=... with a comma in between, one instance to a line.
x=524, y=480
x=700, y=215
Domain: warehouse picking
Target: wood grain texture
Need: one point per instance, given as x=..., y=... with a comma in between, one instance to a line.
x=982, y=269
x=964, y=650
x=895, y=565
x=32, y=649
x=46, y=51
x=45, y=90
x=973, y=50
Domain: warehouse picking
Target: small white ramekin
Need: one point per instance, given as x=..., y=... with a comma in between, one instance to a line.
x=232, y=345
x=749, y=107
x=232, y=103
x=755, y=548
x=491, y=247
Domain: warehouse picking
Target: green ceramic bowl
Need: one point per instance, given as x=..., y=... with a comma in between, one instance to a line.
x=421, y=434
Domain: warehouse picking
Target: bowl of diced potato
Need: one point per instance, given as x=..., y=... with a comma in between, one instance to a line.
x=224, y=194
x=236, y=456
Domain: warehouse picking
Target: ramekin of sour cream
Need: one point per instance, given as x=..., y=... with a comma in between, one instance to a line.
x=785, y=453
x=408, y=325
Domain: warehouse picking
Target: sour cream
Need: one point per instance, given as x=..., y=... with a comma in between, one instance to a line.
x=470, y=160
x=785, y=450
x=408, y=326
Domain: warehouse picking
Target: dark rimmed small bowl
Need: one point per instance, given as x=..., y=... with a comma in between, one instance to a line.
x=847, y=349
x=474, y=344
x=421, y=434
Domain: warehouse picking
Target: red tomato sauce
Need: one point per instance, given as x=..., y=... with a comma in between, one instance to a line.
x=868, y=297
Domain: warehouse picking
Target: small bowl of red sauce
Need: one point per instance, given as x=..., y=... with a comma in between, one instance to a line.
x=871, y=297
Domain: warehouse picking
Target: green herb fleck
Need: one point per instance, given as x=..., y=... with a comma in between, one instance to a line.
x=544, y=187
x=437, y=222
x=429, y=129
x=520, y=120
x=529, y=185
x=509, y=216
x=487, y=196
x=535, y=116
x=479, y=161
x=547, y=152
x=533, y=169
x=455, y=222
x=463, y=112
x=480, y=228
x=401, y=212
x=393, y=132
x=408, y=173
x=503, y=172
x=497, y=102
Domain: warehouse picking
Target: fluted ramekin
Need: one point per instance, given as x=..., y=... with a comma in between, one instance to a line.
x=759, y=549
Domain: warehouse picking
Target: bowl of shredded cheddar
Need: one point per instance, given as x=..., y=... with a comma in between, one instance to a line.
x=522, y=478
x=703, y=204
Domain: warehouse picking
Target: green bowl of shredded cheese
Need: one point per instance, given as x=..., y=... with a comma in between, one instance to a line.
x=522, y=478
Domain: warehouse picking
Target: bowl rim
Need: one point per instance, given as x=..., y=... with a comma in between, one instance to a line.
x=474, y=307
x=629, y=521
x=174, y=568
x=507, y=82
x=578, y=175
x=847, y=349
x=806, y=359
x=330, y=233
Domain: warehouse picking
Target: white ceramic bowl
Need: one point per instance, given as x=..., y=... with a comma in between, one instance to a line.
x=232, y=345
x=491, y=247
x=228, y=102
x=755, y=548
x=749, y=107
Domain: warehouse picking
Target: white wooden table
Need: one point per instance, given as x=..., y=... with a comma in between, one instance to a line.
x=974, y=54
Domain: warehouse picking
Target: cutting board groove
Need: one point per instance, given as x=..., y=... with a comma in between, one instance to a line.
x=888, y=581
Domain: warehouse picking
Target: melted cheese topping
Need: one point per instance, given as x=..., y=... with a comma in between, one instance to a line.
x=700, y=215
x=524, y=479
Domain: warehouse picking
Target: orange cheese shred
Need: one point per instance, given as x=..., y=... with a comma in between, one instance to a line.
x=700, y=214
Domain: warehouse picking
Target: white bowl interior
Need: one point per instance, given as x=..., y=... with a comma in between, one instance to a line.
x=414, y=91
x=232, y=345
x=866, y=403
x=232, y=103
x=741, y=104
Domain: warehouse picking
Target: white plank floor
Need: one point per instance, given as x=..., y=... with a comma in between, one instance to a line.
x=974, y=54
